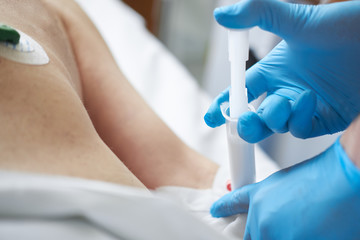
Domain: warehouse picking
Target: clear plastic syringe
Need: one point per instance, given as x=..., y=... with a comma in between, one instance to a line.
x=241, y=153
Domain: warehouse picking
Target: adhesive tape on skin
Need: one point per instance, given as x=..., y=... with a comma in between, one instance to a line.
x=27, y=51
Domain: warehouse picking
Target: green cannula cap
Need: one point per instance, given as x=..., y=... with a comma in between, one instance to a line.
x=8, y=34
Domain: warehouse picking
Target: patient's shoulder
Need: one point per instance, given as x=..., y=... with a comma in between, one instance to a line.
x=43, y=26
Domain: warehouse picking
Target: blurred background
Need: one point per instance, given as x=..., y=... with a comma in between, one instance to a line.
x=187, y=28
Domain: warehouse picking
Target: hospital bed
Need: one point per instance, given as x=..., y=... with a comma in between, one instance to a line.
x=48, y=207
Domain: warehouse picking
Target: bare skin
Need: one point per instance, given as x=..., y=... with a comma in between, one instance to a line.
x=64, y=117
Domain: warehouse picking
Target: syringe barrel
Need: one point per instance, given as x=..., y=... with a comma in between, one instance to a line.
x=242, y=166
x=241, y=154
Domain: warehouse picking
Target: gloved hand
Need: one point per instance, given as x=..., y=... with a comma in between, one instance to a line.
x=312, y=78
x=316, y=199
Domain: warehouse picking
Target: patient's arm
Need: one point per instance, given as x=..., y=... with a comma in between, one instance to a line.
x=122, y=118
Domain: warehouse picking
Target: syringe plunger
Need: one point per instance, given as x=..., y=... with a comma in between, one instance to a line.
x=238, y=55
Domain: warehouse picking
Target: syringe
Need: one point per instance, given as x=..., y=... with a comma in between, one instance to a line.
x=241, y=153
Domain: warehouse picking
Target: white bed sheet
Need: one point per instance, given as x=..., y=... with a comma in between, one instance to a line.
x=34, y=207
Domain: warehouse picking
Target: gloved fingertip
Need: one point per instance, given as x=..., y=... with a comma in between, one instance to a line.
x=209, y=120
x=251, y=128
x=218, y=12
x=215, y=210
x=276, y=111
x=301, y=120
x=221, y=12
x=233, y=203
x=214, y=118
x=221, y=208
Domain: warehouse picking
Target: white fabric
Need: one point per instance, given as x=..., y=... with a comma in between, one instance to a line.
x=63, y=208
x=42, y=207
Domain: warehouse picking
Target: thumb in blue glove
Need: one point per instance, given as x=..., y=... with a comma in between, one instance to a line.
x=316, y=199
x=311, y=78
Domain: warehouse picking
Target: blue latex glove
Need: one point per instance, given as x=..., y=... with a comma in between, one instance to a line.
x=316, y=199
x=312, y=78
